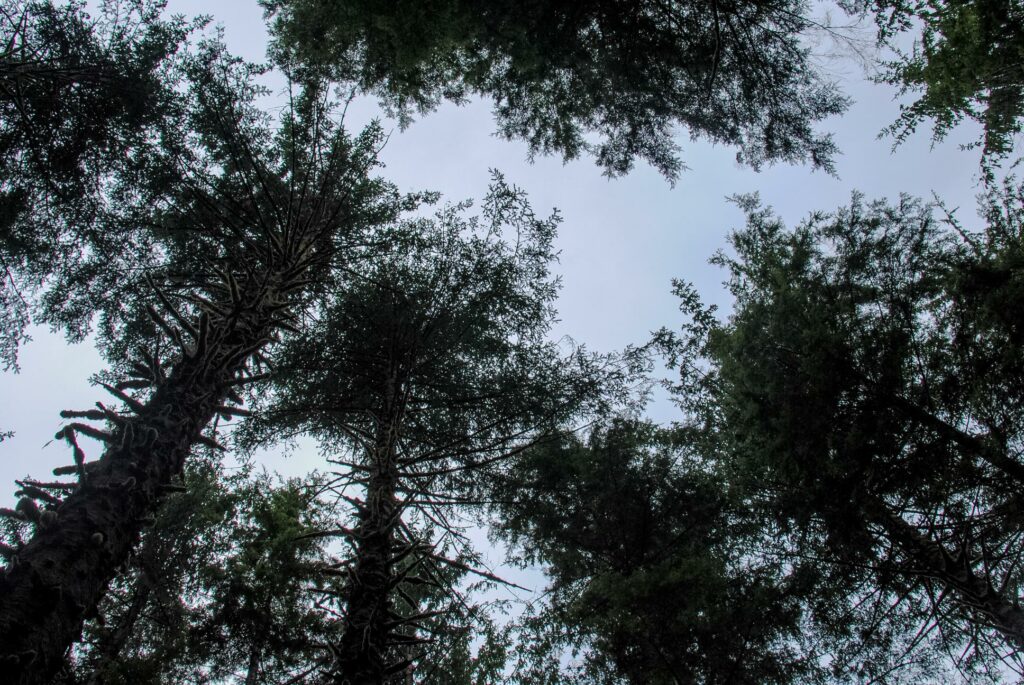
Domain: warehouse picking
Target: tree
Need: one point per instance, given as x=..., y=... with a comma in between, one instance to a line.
x=564, y=73
x=431, y=366
x=965, y=65
x=239, y=228
x=650, y=568
x=78, y=95
x=875, y=352
x=261, y=616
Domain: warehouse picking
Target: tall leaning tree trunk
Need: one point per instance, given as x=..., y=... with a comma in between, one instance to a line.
x=362, y=654
x=955, y=573
x=53, y=582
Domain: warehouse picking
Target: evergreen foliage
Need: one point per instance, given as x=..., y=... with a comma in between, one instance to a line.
x=431, y=366
x=78, y=96
x=606, y=77
x=864, y=357
x=965, y=65
x=217, y=588
x=652, y=577
x=227, y=586
x=839, y=502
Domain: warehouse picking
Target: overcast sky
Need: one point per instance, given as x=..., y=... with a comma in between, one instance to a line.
x=621, y=242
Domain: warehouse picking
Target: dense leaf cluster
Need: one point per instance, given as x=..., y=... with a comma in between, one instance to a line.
x=863, y=357
x=647, y=568
x=79, y=96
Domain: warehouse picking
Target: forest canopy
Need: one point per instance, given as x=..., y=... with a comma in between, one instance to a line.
x=833, y=499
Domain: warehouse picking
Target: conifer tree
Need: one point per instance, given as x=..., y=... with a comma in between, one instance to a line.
x=652, y=575
x=239, y=228
x=431, y=367
x=79, y=95
x=867, y=390
x=964, y=65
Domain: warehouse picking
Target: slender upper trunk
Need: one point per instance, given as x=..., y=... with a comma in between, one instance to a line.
x=362, y=653
x=57, y=579
x=956, y=573
x=261, y=630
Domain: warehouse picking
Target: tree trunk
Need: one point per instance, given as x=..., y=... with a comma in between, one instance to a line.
x=954, y=572
x=261, y=629
x=57, y=579
x=362, y=653
x=252, y=675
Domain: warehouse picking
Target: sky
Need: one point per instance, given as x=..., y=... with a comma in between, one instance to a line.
x=621, y=242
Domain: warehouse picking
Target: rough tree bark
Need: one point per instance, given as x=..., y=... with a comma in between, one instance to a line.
x=55, y=581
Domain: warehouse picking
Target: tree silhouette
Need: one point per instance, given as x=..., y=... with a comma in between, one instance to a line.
x=963, y=66
x=79, y=96
x=652, y=572
x=247, y=226
x=867, y=386
x=429, y=368
x=603, y=77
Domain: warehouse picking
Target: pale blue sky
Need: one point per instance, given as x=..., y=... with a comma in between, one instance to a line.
x=621, y=242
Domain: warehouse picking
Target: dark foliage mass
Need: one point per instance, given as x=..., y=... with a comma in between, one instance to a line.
x=847, y=470
x=212, y=251
x=79, y=94
x=216, y=588
x=609, y=78
x=874, y=352
x=429, y=368
x=964, y=65
x=645, y=569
